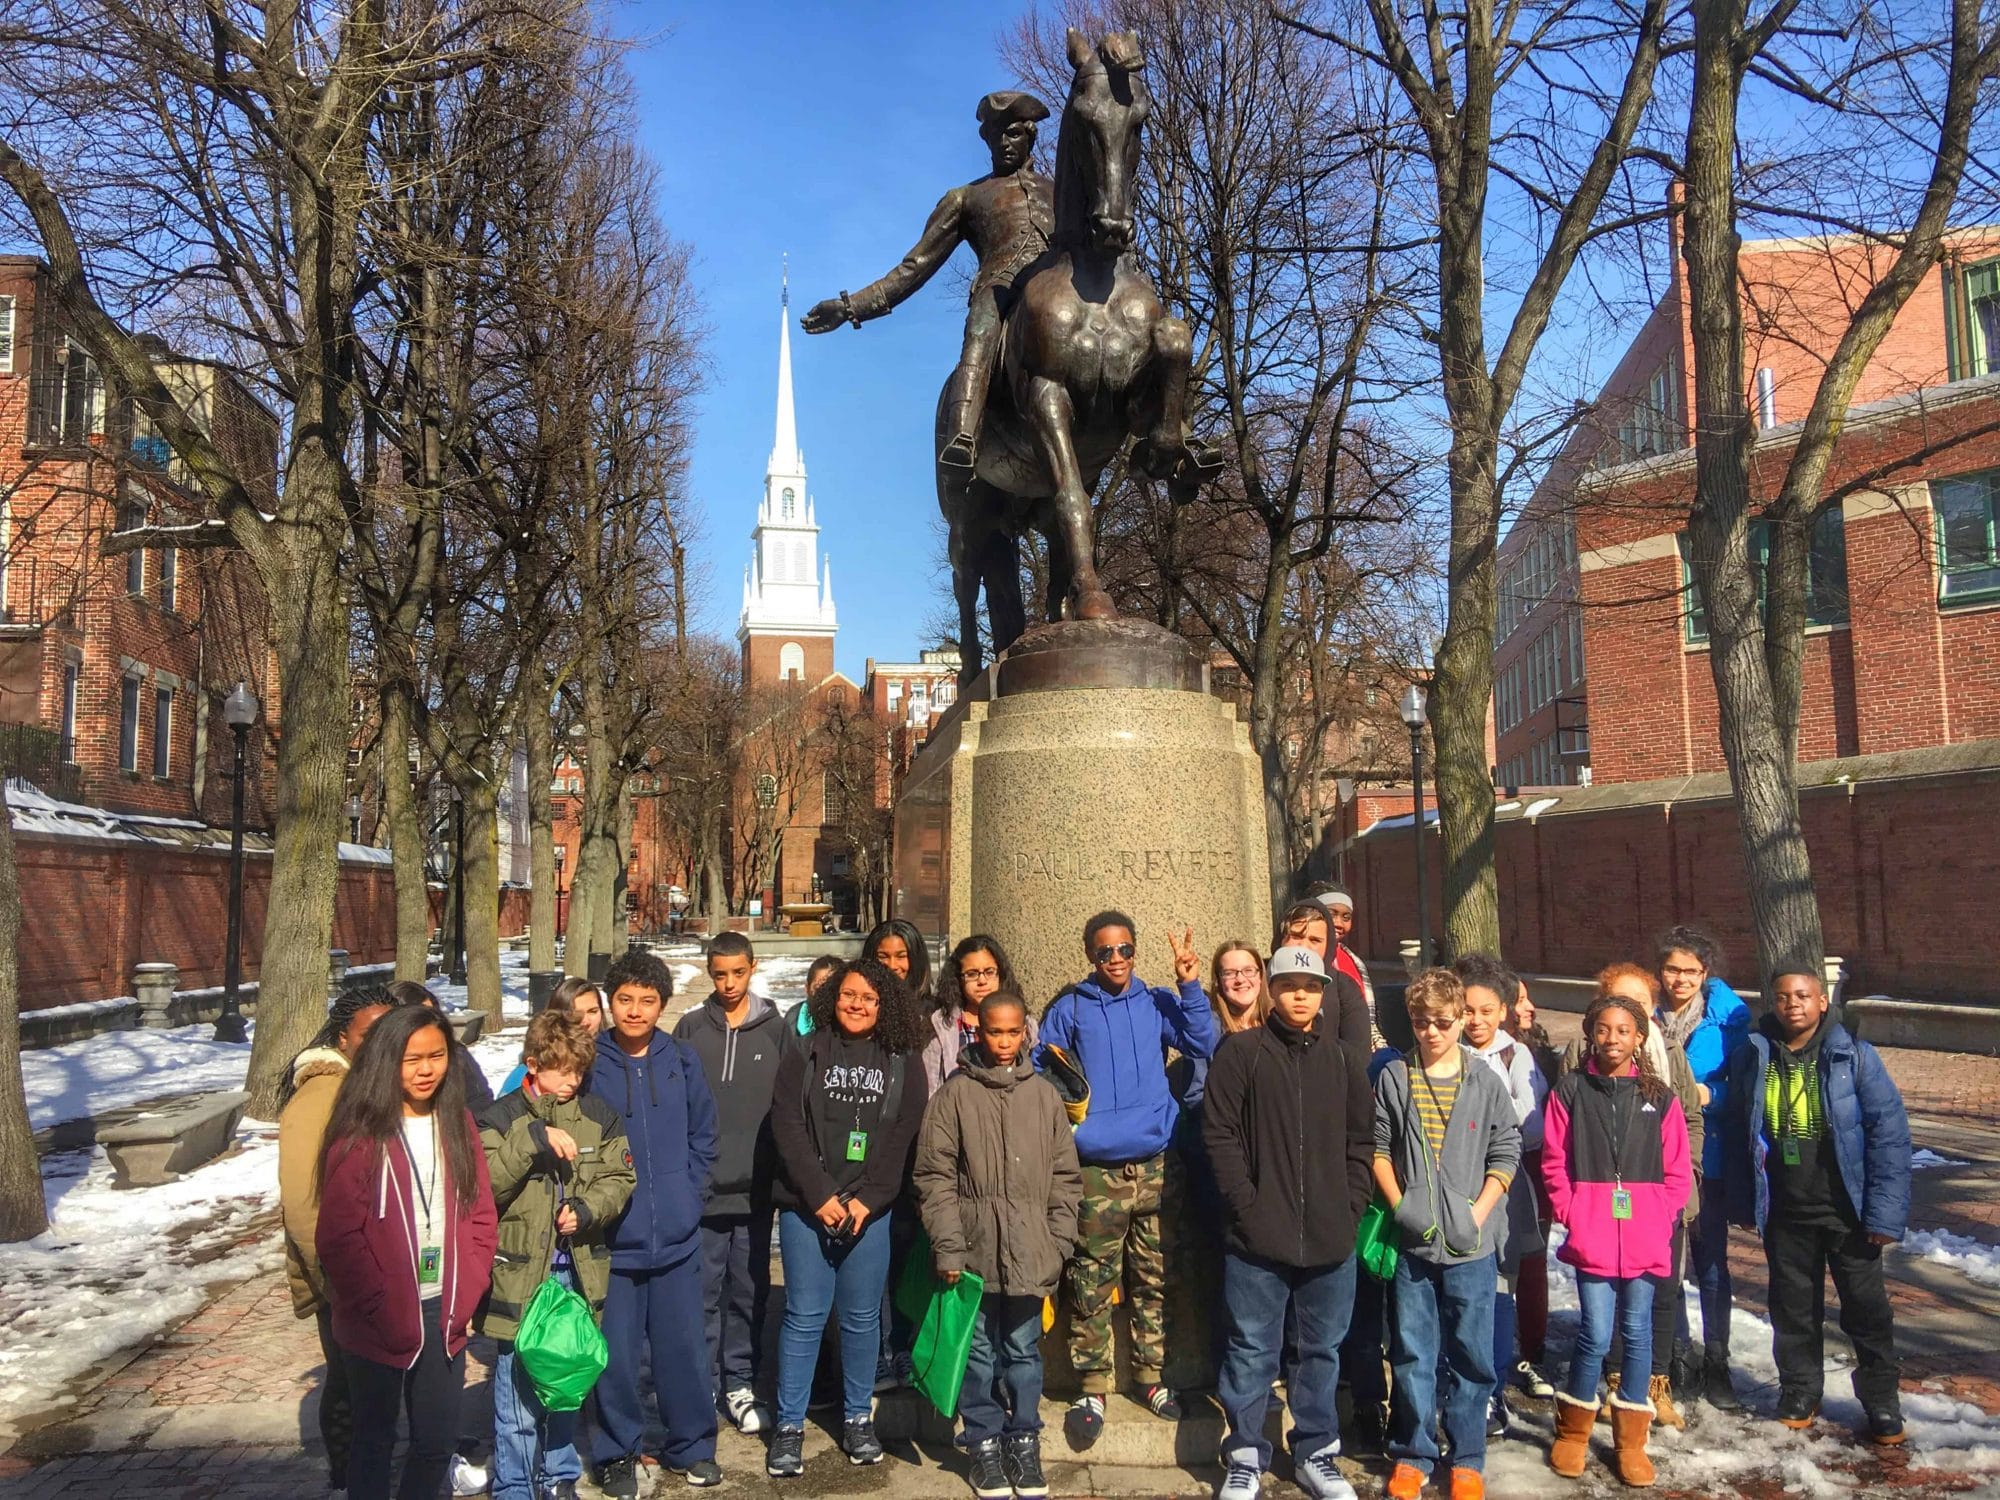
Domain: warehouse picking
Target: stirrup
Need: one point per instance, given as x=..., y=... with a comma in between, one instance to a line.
x=960, y=451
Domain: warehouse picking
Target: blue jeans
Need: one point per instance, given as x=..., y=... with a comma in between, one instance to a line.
x=1255, y=1296
x=1603, y=1301
x=533, y=1449
x=1002, y=1393
x=1441, y=1360
x=1708, y=1253
x=823, y=1276
x=1504, y=1340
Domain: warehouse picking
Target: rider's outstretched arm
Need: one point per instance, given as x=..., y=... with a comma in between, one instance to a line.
x=941, y=236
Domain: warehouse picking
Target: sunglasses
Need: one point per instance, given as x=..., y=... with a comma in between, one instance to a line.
x=1434, y=1023
x=1110, y=951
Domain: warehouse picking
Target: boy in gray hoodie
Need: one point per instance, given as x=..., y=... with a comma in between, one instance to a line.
x=1446, y=1148
x=738, y=1036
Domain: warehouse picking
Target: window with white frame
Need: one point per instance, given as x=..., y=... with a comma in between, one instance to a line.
x=6, y=335
x=72, y=679
x=169, y=577
x=163, y=732
x=128, y=724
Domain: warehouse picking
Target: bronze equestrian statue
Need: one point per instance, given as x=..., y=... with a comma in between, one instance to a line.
x=1087, y=355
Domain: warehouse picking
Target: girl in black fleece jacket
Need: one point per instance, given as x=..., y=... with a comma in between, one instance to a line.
x=849, y=1099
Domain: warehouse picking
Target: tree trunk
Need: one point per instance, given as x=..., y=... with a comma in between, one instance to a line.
x=582, y=911
x=621, y=924
x=538, y=728
x=1782, y=902
x=482, y=897
x=406, y=837
x=23, y=1210
x=607, y=909
x=309, y=607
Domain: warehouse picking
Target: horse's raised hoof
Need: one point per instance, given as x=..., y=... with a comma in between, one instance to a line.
x=1154, y=460
x=1095, y=604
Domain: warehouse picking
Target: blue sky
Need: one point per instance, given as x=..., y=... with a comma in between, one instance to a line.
x=826, y=132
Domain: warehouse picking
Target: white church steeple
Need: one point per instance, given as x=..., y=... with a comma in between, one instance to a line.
x=783, y=592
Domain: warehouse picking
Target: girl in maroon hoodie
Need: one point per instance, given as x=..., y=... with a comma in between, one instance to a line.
x=406, y=1238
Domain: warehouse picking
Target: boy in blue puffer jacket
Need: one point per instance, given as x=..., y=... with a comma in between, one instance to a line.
x=654, y=1304
x=1118, y=1029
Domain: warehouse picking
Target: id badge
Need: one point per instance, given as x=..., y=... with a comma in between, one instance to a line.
x=1621, y=1203
x=1788, y=1148
x=857, y=1145
x=429, y=1260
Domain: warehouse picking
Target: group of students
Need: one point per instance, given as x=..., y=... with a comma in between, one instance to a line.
x=1080, y=1152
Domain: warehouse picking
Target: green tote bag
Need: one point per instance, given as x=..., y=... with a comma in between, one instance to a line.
x=944, y=1316
x=560, y=1346
x=1375, y=1241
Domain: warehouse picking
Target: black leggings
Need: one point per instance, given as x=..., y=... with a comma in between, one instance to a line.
x=336, y=1416
x=430, y=1391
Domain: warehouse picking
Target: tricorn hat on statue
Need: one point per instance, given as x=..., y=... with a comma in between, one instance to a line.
x=1011, y=104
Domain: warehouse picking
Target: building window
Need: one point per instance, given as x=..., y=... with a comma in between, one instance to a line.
x=1973, y=334
x=169, y=576
x=66, y=400
x=1968, y=563
x=130, y=518
x=6, y=335
x=72, y=673
x=786, y=504
x=791, y=662
x=128, y=725
x=1826, y=574
x=1575, y=645
x=1651, y=427
x=163, y=732
x=829, y=798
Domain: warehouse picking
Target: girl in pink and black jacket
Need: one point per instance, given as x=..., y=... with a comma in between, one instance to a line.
x=406, y=1237
x=1615, y=1158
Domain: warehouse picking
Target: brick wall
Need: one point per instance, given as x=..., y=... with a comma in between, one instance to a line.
x=1902, y=867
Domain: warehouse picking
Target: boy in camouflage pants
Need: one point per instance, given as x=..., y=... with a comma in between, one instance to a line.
x=1118, y=1029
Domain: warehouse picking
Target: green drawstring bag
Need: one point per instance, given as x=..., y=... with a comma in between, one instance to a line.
x=1375, y=1241
x=945, y=1317
x=560, y=1346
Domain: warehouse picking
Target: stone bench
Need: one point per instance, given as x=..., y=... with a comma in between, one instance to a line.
x=467, y=1025
x=161, y=1145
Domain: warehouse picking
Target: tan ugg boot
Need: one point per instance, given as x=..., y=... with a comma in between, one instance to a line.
x=1629, y=1426
x=1571, y=1450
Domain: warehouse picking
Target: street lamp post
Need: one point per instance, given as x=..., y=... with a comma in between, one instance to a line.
x=562, y=855
x=1344, y=790
x=1411, y=711
x=239, y=712
x=354, y=818
x=458, y=888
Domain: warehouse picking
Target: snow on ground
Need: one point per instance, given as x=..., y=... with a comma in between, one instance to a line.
x=513, y=987
x=1973, y=1258
x=1924, y=1157
x=115, y=1268
x=121, y=1068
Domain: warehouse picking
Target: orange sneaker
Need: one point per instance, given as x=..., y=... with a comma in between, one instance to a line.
x=1406, y=1483
x=1468, y=1484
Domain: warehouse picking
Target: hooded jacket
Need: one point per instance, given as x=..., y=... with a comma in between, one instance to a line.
x=367, y=1242
x=1670, y=1062
x=997, y=1176
x=803, y=1181
x=1120, y=1042
x=1513, y=1063
x=530, y=1183
x=1289, y=1126
x=663, y=1102
x=741, y=1066
x=1864, y=1116
x=1602, y=1136
x=1481, y=1140
x=941, y=1052
x=316, y=1077
x=1710, y=1048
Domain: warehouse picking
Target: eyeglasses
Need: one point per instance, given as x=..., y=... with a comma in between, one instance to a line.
x=1671, y=972
x=1250, y=973
x=1433, y=1023
x=1110, y=951
x=968, y=974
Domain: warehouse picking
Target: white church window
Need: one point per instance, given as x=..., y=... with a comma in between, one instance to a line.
x=802, y=568
x=791, y=662
x=785, y=505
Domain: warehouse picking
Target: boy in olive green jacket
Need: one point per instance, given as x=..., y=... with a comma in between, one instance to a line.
x=561, y=1174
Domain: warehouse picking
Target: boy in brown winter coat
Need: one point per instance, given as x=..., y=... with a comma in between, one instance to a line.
x=997, y=1176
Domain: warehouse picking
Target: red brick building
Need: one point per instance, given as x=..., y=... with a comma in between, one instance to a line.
x=1905, y=603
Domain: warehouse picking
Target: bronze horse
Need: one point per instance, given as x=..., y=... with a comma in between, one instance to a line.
x=1090, y=358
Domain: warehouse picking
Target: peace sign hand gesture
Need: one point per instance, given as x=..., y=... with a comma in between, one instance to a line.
x=1187, y=963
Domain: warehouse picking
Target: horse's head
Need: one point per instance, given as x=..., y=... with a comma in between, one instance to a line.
x=1097, y=154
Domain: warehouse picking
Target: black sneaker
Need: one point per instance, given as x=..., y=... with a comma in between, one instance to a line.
x=1083, y=1423
x=1716, y=1389
x=1797, y=1409
x=1023, y=1458
x=1496, y=1416
x=1161, y=1402
x=1531, y=1382
x=786, y=1458
x=989, y=1471
x=1370, y=1425
x=562, y=1489
x=859, y=1443
x=1885, y=1427
x=619, y=1478
x=702, y=1474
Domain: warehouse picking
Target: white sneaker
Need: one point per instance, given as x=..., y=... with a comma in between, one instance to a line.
x=1318, y=1476
x=1240, y=1481
x=749, y=1417
x=467, y=1477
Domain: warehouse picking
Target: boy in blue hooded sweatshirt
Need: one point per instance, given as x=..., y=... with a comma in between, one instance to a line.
x=654, y=1305
x=1117, y=1029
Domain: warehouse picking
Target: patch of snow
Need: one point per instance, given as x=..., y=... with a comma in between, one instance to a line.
x=1973, y=1258
x=119, y=1068
x=77, y=1009
x=1924, y=1157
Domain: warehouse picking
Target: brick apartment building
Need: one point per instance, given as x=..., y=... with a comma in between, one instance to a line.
x=121, y=662
x=1905, y=579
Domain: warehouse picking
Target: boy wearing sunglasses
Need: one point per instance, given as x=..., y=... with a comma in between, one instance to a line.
x=1118, y=1030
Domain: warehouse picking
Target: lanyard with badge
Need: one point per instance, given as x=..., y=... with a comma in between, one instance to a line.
x=430, y=1258
x=1789, y=1099
x=1621, y=1123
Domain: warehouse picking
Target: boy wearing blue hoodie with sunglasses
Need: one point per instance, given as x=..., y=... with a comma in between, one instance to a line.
x=1117, y=1029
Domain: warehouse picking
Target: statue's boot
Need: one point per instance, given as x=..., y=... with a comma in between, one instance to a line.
x=967, y=404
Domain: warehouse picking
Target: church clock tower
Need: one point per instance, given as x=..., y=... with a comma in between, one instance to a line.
x=788, y=623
